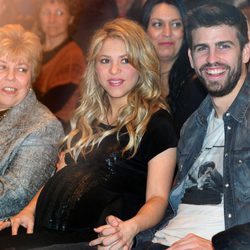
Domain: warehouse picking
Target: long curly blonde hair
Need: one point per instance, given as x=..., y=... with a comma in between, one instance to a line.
x=142, y=102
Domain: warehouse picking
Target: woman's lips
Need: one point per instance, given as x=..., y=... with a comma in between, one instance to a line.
x=166, y=43
x=115, y=82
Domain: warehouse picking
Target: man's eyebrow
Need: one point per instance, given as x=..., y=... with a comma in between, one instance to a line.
x=200, y=45
x=227, y=41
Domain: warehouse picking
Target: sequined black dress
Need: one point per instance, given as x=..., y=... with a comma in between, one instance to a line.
x=81, y=195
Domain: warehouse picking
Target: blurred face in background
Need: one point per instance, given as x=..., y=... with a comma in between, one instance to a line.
x=15, y=82
x=55, y=19
x=165, y=29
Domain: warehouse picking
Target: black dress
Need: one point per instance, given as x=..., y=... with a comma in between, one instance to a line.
x=81, y=195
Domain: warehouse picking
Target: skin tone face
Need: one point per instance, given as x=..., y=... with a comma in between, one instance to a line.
x=55, y=20
x=217, y=58
x=15, y=82
x=165, y=30
x=115, y=74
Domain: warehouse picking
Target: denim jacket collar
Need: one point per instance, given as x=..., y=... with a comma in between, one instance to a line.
x=240, y=105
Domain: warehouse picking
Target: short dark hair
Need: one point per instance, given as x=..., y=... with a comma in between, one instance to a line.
x=216, y=14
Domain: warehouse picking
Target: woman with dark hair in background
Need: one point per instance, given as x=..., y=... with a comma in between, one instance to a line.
x=63, y=60
x=163, y=21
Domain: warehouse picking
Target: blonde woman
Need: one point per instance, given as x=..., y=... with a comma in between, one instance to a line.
x=120, y=154
x=29, y=133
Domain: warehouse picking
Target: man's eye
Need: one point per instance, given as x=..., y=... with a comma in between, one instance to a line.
x=224, y=46
x=200, y=49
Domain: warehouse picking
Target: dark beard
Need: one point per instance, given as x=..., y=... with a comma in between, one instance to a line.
x=232, y=80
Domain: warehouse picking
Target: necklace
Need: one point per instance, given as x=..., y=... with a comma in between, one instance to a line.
x=3, y=114
x=110, y=125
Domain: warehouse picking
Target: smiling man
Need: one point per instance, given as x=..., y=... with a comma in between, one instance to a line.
x=211, y=192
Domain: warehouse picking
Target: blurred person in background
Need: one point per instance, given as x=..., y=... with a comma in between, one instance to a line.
x=96, y=12
x=63, y=60
x=163, y=21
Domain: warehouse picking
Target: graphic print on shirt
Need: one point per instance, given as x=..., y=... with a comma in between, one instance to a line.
x=204, y=184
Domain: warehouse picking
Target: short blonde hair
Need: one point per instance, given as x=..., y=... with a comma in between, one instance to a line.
x=18, y=44
x=143, y=100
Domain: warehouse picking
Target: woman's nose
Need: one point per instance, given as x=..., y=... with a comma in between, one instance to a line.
x=167, y=31
x=114, y=69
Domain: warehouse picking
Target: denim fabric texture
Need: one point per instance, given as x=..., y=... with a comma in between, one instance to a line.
x=236, y=165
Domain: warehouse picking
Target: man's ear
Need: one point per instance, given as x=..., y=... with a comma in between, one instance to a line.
x=190, y=58
x=246, y=53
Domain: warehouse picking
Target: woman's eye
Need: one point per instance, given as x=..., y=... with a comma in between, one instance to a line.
x=156, y=24
x=177, y=24
x=125, y=60
x=22, y=70
x=59, y=12
x=2, y=67
x=104, y=60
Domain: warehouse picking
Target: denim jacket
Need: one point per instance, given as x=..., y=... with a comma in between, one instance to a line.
x=236, y=164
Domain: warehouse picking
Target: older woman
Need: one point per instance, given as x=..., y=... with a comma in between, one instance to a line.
x=29, y=132
x=63, y=60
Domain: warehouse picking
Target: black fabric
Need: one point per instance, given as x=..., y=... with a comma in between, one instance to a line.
x=201, y=197
x=81, y=195
x=186, y=92
x=74, y=246
x=43, y=239
x=64, y=91
x=235, y=238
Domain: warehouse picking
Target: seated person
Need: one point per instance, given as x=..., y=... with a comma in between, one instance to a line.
x=57, y=86
x=29, y=133
x=211, y=191
x=121, y=144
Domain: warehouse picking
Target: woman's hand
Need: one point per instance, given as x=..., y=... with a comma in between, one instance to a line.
x=116, y=234
x=25, y=218
x=192, y=241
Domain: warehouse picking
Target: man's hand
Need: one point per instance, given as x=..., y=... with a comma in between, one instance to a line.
x=192, y=242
